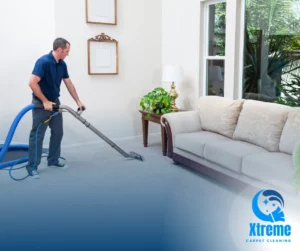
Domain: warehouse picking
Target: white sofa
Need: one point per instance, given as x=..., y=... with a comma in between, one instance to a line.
x=237, y=142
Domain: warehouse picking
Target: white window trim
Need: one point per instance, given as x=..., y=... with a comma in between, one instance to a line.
x=240, y=58
x=205, y=11
x=233, y=51
x=216, y=57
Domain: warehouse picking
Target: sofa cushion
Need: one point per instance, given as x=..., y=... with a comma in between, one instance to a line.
x=230, y=153
x=261, y=123
x=291, y=132
x=195, y=142
x=273, y=168
x=218, y=114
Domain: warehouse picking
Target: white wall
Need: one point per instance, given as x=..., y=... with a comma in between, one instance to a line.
x=183, y=26
x=27, y=30
x=112, y=101
x=180, y=45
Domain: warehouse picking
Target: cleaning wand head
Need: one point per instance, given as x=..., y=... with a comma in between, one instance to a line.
x=134, y=155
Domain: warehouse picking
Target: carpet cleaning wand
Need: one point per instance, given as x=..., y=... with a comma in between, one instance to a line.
x=77, y=115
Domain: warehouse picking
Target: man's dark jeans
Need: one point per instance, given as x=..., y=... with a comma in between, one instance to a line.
x=36, y=137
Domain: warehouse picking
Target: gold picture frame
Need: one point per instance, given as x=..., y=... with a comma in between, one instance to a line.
x=102, y=55
x=101, y=11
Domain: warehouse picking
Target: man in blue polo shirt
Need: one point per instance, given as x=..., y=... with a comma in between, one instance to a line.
x=45, y=81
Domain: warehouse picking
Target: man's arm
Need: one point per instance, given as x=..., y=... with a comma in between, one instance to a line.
x=72, y=91
x=33, y=83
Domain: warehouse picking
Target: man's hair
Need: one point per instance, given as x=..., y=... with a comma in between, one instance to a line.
x=60, y=43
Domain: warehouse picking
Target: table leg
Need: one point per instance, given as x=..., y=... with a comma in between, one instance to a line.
x=145, y=124
x=164, y=141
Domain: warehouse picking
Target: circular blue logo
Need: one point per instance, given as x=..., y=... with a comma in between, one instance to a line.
x=267, y=205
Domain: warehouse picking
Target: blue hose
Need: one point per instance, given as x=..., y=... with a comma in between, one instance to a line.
x=6, y=146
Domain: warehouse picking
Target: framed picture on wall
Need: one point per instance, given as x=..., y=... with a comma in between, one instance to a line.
x=102, y=55
x=101, y=11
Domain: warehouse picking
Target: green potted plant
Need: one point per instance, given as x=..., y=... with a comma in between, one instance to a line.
x=157, y=101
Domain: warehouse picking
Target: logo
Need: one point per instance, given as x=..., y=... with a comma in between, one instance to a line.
x=267, y=205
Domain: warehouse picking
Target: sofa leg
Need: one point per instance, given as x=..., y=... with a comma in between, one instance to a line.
x=175, y=162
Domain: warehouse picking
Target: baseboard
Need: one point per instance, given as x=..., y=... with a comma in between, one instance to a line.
x=96, y=142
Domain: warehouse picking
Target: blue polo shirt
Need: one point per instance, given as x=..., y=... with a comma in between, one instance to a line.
x=51, y=74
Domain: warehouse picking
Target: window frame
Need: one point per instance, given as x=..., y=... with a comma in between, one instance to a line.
x=233, y=47
x=206, y=57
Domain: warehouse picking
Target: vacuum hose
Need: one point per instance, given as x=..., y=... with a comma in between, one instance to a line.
x=6, y=146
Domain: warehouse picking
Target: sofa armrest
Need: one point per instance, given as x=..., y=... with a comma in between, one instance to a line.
x=179, y=122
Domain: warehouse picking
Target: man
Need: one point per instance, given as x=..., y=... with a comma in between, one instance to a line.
x=45, y=81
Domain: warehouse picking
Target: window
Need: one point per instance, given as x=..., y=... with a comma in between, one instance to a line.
x=214, y=51
x=271, y=63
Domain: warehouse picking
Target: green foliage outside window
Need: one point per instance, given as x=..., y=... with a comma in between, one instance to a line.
x=272, y=50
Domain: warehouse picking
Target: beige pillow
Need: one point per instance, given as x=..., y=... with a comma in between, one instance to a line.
x=261, y=123
x=219, y=114
x=291, y=132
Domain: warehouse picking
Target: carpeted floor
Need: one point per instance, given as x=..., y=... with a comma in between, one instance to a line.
x=104, y=202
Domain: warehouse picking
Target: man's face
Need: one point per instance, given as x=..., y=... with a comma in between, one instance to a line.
x=64, y=52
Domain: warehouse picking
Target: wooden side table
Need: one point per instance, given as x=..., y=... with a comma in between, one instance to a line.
x=145, y=123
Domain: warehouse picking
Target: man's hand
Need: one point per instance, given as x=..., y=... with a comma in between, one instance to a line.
x=48, y=106
x=81, y=106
